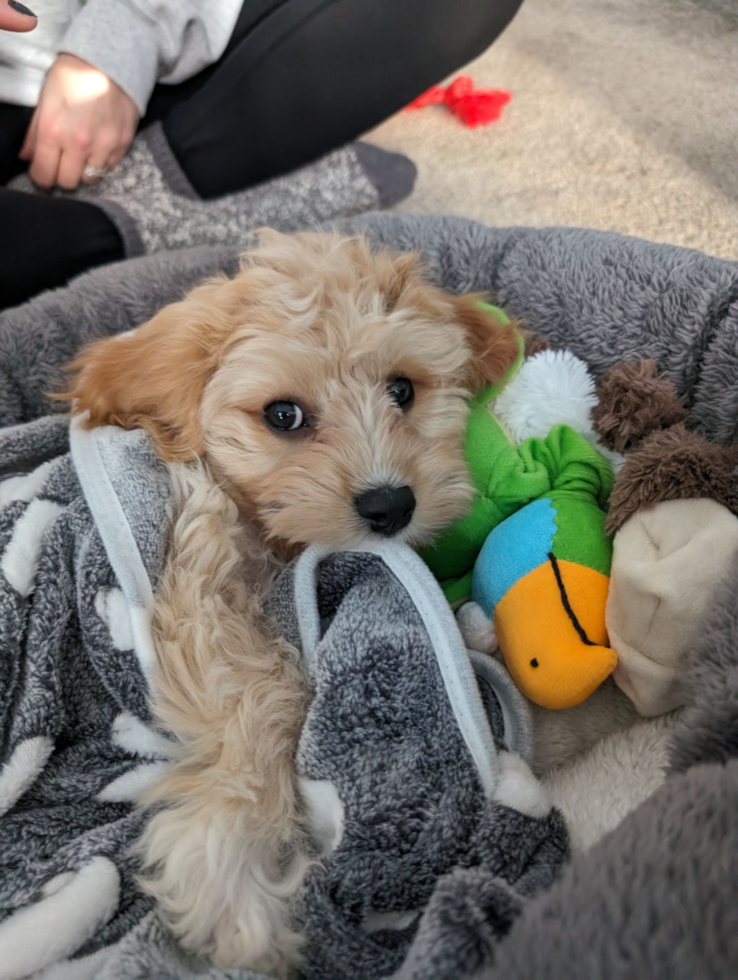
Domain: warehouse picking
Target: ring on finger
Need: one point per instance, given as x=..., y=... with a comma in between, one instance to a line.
x=95, y=172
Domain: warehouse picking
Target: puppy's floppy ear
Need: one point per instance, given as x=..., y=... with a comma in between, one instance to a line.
x=404, y=269
x=153, y=377
x=494, y=346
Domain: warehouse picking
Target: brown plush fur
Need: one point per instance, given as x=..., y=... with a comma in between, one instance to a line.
x=633, y=401
x=322, y=321
x=673, y=464
x=534, y=342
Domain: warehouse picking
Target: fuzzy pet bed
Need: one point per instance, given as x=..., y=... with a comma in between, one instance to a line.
x=656, y=896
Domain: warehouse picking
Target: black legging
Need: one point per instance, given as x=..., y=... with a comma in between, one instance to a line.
x=298, y=79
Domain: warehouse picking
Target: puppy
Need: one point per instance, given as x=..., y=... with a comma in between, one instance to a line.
x=320, y=396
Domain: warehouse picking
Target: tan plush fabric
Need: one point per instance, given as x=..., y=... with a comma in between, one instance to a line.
x=667, y=562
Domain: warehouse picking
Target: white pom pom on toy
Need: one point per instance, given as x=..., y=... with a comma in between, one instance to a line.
x=551, y=388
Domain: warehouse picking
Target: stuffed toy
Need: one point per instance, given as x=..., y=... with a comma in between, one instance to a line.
x=473, y=106
x=673, y=512
x=533, y=555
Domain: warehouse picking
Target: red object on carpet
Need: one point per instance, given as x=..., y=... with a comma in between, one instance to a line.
x=474, y=107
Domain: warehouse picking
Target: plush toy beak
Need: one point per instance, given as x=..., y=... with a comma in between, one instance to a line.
x=556, y=654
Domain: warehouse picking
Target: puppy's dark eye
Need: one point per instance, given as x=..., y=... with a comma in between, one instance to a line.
x=401, y=392
x=285, y=417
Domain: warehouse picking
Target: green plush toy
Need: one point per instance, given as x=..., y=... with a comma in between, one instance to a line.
x=534, y=555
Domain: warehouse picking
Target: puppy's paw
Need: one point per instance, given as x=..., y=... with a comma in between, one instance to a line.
x=224, y=894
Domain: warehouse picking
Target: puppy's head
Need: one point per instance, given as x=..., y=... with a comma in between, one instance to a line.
x=326, y=385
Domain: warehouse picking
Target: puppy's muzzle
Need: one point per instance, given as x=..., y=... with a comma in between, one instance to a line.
x=387, y=510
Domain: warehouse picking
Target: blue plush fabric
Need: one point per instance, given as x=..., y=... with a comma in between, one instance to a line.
x=514, y=548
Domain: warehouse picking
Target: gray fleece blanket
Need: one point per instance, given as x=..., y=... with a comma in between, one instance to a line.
x=76, y=658
x=409, y=766
x=655, y=898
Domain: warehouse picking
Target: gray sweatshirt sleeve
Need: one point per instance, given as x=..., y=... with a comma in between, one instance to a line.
x=138, y=43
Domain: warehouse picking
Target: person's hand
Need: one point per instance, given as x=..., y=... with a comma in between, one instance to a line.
x=15, y=16
x=83, y=119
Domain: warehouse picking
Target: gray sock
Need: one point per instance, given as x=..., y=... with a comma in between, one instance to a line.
x=155, y=207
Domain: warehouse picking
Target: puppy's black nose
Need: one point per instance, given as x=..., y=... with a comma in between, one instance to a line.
x=386, y=509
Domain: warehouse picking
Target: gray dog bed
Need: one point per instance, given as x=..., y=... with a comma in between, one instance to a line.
x=658, y=896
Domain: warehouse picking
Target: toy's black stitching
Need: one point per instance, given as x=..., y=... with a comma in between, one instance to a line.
x=565, y=601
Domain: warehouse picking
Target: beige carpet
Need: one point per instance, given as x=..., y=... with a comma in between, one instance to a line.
x=624, y=116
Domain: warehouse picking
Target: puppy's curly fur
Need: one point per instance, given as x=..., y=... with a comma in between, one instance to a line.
x=224, y=861
x=325, y=323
